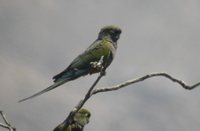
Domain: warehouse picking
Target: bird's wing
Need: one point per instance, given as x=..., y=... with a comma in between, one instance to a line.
x=91, y=54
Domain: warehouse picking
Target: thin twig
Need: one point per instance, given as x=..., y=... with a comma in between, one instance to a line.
x=4, y=118
x=4, y=126
x=119, y=86
x=7, y=125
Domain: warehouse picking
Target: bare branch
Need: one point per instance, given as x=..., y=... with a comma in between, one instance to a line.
x=119, y=86
x=7, y=125
x=93, y=91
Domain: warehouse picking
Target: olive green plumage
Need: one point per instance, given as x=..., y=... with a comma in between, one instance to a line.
x=80, y=119
x=105, y=45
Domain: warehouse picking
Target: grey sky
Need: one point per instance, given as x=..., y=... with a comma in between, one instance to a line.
x=39, y=38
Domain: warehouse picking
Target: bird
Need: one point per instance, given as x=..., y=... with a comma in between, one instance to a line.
x=81, y=118
x=104, y=47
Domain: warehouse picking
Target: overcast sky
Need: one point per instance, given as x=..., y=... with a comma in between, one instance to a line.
x=39, y=38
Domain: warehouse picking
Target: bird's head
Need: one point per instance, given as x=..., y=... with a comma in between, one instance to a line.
x=110, y=32
x=82, y=117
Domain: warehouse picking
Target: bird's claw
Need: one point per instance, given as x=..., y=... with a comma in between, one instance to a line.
x=98, y=65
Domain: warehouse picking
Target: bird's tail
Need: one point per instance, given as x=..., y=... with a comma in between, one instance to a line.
x=46, y=90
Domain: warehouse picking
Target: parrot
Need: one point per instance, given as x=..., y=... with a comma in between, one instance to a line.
x=104, y=46
x=81, y=118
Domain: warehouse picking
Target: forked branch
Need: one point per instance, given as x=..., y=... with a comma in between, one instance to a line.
x=6, y=124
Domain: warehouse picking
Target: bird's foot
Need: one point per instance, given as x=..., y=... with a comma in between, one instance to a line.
x=98, y=66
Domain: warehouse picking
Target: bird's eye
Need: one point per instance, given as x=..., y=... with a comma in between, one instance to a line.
x=88, y=115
